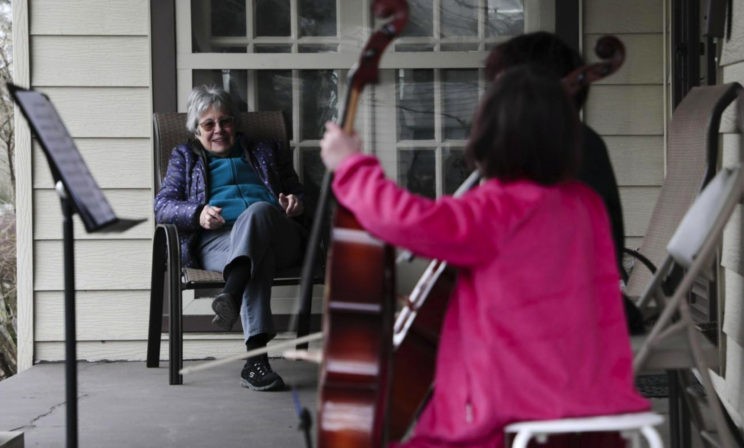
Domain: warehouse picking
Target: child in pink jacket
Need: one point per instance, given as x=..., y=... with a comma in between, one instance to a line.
x=535, y=327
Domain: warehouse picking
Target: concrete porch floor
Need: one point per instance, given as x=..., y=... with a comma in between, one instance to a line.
x=125, y=404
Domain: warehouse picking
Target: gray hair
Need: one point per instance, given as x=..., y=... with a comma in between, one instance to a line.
x=202, y=98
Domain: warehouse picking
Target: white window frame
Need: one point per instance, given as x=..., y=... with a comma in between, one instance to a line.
x=378, y=130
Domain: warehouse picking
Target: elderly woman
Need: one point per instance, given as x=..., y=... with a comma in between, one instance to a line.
x=233, y=201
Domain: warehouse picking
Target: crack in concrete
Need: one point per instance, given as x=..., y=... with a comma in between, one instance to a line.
x=32, y=423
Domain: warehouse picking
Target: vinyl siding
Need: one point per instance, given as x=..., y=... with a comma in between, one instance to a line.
x=627, y=108
x=730, y=383
x=92, y=59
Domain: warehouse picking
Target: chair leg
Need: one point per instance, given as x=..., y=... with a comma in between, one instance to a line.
x=652, y=437
x=522, y=439
x=679, y=436
x=175, y=328
x=156, y=301
x=154, y=328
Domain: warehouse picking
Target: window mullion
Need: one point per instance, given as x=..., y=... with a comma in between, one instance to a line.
x=438, y=133
x=294, y=13
x=251, y=90
x=482, y=17
x=437, y=26
x=296, y=106
x=249, y=25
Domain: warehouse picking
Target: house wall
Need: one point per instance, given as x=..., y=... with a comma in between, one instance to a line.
x=730, y=384
x=627, y=108
x=92, y=59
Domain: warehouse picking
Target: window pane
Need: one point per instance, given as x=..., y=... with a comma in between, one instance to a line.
x=228, y=18
x=317, y=48
x=459, y=47
x=234, y=81
x=317, y=17
x=216, y=19
x=420, y=18
x=416, y=170
x=274, y=92
x=415, y=104
x=414, y=47
x=459, y=18
x=455, y=169
x=504, y=18
x=268, y=48
x=460, y=94
x=319, y=101
x=272, y=18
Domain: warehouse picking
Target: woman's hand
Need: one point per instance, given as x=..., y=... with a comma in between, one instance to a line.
x=211, y=217
x=291, y=204
x=337, y=145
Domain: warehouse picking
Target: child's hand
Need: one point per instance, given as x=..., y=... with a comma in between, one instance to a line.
x=337, y=145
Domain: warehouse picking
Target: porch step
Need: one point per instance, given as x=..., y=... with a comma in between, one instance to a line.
x=11, y=439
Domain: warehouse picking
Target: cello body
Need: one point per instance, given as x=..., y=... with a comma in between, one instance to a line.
x=359, y=300
x=355, y=371
x=415, y=344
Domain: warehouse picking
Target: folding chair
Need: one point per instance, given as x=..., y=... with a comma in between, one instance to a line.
x=674, y=342
x=169, y=279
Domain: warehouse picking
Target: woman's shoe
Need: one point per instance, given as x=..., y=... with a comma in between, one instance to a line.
x=257, y=374
x=225, y=311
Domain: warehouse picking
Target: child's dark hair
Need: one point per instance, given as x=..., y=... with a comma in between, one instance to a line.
x=541, y=49
x=526, y=127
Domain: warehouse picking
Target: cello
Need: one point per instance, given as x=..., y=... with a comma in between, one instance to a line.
x=417, y=327
x=360, y=290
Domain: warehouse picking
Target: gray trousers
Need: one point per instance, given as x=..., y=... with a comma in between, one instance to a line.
x=271, y=241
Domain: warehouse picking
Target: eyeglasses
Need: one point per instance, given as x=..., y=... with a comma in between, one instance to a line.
x=224, y=122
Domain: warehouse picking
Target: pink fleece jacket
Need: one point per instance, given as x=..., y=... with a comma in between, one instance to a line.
x=535, y=328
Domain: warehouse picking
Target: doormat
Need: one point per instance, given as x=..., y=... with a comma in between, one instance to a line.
x=653, y=386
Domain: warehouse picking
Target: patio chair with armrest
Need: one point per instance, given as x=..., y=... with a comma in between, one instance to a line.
x=691, y=162
x=169, y=279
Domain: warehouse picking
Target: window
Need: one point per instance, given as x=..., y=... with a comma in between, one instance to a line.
x=294, y=56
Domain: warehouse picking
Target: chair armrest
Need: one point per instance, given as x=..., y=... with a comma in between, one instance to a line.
x=640, y=257
x=166, y=240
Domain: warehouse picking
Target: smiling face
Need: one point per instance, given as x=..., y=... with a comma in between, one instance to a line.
x=216, y=131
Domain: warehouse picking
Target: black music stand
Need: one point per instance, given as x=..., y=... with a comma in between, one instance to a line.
x=79, y=193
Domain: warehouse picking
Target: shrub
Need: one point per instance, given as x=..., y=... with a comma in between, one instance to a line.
x=8, y=303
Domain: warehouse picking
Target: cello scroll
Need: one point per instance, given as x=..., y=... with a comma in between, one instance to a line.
x=612, y=52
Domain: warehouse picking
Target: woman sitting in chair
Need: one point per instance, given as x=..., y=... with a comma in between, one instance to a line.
x=233, y=200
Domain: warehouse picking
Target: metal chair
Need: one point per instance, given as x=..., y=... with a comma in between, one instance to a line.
x=169, y=279
x=629, y=426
